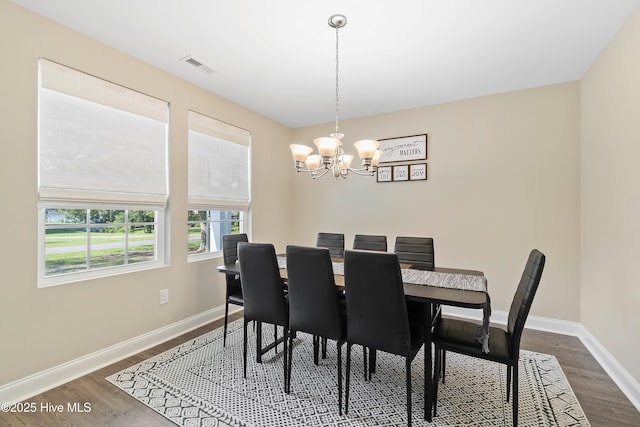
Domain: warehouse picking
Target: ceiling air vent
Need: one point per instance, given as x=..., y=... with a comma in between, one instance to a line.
x=194, y=62
x=197, y=63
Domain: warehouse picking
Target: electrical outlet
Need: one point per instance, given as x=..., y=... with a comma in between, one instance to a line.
x=164, y=296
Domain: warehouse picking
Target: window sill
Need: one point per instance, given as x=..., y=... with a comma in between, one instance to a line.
x=204, y=256
x=63, y=279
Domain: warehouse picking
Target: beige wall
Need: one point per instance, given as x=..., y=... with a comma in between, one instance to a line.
x=610, y=197
x=502, y=179
x=42, y=328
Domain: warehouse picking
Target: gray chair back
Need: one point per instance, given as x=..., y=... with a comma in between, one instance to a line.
x=333, y=241
x=376, y=306
x=370, y=243
x=262, y=288
x=313, y=300
x=523, y=297
x=230, y=246
x=417, y=251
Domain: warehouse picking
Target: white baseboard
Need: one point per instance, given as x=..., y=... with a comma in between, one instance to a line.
x=629, y=386
x=39, y=382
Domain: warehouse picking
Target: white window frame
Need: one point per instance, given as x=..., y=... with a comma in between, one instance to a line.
x=244, y=228
x=78, y=276
x=86, y=190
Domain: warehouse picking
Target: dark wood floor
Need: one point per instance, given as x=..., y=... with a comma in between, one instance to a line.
x=604, y=404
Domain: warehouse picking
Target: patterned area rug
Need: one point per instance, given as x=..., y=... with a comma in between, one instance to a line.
x=200, y=383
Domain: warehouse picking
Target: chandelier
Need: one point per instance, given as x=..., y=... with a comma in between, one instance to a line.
x=331, y=157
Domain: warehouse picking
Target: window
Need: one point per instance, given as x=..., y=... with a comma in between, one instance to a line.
x=218, y=183
x=88, y=239
x=206, y=229
x=102, y=176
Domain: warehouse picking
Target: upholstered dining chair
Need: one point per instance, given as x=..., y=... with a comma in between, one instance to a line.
x=417, y=251
x=459, y=336
x=314, y=307
x=370, y=242
x=333, y=241
x=377, y=314
x=234, y=288
x=264, y=295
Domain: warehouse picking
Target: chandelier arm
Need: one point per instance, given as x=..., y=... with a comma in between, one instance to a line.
x=316, y=170
x=316, y=175
x=363, y=171
x=309, y=170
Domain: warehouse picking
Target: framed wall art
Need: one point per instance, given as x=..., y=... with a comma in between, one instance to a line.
x=401, y=173
x=384, y=174
x=418, y=172
x=404, y=148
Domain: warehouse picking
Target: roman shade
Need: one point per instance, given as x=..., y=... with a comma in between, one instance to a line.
x=98, y=142
x=218, y=164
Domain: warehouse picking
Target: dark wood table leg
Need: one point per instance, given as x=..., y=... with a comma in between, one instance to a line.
x=428, y=373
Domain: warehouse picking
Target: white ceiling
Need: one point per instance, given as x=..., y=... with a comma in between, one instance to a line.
x=277, y=57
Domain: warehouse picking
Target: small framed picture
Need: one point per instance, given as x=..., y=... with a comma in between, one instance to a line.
x=401, y=173
x=418, y=172
x=384, y=174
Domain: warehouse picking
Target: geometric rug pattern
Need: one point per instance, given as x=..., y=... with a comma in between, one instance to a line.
x=200, y=383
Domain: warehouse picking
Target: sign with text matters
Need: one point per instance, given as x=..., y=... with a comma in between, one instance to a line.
x=403, y=149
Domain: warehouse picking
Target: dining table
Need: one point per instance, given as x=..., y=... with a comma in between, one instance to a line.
x=434, y=288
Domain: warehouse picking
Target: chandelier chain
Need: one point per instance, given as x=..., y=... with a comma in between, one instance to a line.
x=337, y=84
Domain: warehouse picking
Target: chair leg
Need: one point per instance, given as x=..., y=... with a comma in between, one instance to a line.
x=324, y=348
x=288, y=372
x=408, y=373
x=515, y=394
x=427, y=407
x=444, y=363
x=226, y=316
x=372, y=361
x=244, y=349
x=285, y=357
x=315, y=349
x=436, y=378
x=275, y=339
x=346, y=388
x=367, y=377
x=509, y=368
x=339, y=348
x=258, y=342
